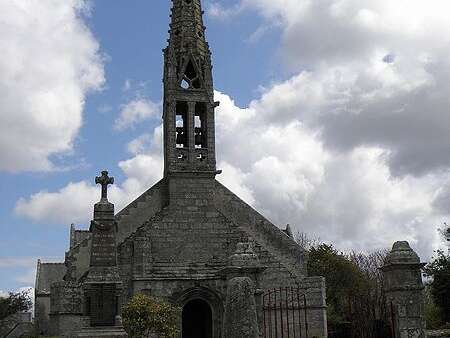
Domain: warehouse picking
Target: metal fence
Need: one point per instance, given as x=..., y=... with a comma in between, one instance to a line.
x=285, y=313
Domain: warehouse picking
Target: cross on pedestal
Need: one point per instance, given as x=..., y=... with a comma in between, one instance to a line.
x=104, y=180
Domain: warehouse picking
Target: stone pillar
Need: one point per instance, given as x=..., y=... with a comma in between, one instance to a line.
x=102, y=285
x=190, y=127
x=241, y=318
x=404, y=291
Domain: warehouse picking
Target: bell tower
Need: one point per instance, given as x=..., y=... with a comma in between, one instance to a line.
x=188, y=113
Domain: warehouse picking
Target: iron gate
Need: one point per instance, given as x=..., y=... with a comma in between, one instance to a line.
x=285, y=313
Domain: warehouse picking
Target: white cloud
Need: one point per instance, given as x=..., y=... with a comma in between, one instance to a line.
x=218, y=11
x=71, y=204
x=353, y=147
x=50, y=61
x=285, y=171
x=344, y=87
x=135, y=111
x=9, y=262
x=370, y=85
x=74, y=202
x=351, y=199
x=127, y=85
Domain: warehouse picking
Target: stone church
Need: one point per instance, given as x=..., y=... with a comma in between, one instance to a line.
x=187, y=240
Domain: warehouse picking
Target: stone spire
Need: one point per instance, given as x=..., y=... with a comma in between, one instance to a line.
x=187, y=27
x=189, y=136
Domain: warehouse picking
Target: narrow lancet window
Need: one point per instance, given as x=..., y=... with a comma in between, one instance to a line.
x=180, y=124
x=200, y=125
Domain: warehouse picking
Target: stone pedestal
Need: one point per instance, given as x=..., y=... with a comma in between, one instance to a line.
x=404, y=291
x=241, y=315
x=102, y=286
x=241, y=319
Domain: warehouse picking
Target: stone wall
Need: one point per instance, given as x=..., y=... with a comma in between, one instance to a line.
x=141, y=210
x=77, y=260
x=128, y=220
x=77, y=236
x=46, y=274
x=42, y=314
x=187, y=244
x=265, y=233
x=63, y=325
x=66, y=304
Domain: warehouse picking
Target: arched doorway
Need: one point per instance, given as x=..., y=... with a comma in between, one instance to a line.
x=197, y=320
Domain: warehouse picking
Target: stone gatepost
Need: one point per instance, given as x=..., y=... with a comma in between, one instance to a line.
x=242, y=273
x=404, y=291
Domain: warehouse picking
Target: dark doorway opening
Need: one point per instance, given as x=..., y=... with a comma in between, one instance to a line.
x=197, y=319
x=101, y=305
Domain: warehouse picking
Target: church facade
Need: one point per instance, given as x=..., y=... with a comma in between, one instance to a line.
x=188, y=239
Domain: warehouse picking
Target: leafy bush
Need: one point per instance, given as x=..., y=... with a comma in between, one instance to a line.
x=439, y=272
x=15, y=302
x=144, y=316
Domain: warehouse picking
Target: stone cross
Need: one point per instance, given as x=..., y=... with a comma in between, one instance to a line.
x=104, y=180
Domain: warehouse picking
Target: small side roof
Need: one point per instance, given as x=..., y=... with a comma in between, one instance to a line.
x=47, y=274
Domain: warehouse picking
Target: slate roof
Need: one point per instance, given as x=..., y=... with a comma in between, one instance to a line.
x=48, y=273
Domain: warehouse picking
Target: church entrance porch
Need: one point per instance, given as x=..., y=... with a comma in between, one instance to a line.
x=197, y=320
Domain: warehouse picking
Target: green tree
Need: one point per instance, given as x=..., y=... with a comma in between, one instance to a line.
x=342, y=276
x=438, y=269
x=15, y=302
x=355, y=297
x=144, y=316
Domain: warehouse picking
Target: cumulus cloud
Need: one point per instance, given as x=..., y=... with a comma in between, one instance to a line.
x=353, y=146
x=286, y=170
x=441, y=199
x=74, y=202
x=71, y=204
x=50, y=61
x=135, y=111
x=366, y=73
x=218, y=11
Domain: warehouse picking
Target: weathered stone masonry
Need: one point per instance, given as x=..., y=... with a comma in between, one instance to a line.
x=188, y=239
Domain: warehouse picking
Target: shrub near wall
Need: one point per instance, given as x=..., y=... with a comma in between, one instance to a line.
x=144, y=316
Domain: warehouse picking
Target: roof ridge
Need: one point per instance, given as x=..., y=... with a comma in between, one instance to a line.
x=273, y=229
x=52, y=263
x=133, y=204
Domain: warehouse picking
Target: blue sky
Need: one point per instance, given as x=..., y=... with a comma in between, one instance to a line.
x=317, y=127
x=132, y=35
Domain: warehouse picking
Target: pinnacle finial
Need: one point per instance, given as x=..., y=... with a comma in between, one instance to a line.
x=104, y=180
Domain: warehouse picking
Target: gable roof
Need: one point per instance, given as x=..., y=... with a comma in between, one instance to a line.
x=46, y=275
